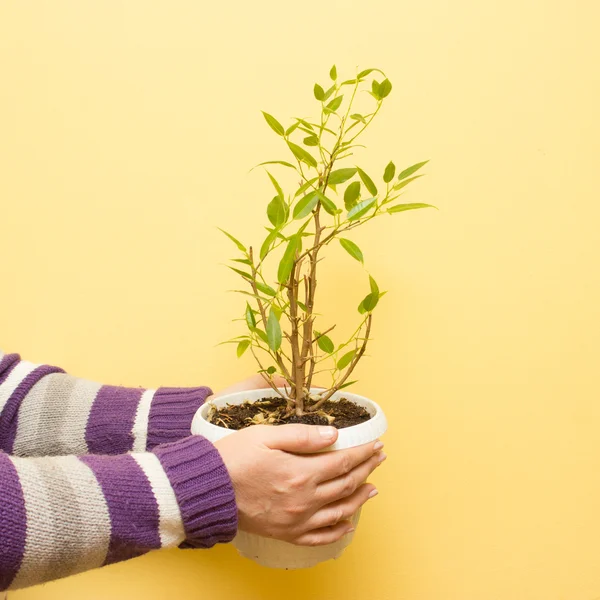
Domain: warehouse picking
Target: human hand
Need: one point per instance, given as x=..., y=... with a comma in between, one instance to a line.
x=305, y=499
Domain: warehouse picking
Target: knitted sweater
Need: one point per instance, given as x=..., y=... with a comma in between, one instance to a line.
x=93, y=474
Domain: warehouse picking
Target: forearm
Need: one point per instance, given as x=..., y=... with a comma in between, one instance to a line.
x=63, y=515
x=45, y=412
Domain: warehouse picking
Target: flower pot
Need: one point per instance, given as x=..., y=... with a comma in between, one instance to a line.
x=275, y=553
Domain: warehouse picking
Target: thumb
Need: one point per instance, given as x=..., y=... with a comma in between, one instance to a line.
x=299, y=438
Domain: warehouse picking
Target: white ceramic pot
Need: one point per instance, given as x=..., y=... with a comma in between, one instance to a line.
x=275, y=553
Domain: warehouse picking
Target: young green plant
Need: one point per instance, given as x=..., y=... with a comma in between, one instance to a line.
x=280, y=311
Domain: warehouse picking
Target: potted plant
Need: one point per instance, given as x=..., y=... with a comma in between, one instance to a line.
x=284, y=332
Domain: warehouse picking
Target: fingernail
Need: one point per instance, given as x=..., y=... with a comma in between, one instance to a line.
x=382, y=457
x=326, y=433
x=378, y=446
x=373, y=494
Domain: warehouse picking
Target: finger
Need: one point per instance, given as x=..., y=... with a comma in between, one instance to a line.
x=298, y=438
x=335, y=464
x=331, y=514
x=322, y=537
x=342, y=487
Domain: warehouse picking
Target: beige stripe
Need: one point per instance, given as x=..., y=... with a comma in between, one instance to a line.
x=170, y=524
x=81, y=400
x=53, y=416
x=68, y=524
x=38, y=418
x=140, y=424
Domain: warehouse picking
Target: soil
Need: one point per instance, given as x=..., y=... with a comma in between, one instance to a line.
x=271, y=411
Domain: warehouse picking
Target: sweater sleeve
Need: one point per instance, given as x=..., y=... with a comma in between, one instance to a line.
x=45, y=412
x=64, y=515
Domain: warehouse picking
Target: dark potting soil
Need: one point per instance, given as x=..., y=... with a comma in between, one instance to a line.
x=271, y=411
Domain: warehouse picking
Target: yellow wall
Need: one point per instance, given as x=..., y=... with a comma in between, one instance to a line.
x=127, y=130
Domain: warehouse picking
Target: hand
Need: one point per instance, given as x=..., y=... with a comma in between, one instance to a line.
x=305, y=499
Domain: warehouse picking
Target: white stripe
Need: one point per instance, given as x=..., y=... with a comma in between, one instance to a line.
x=140, y=424
x=17, y=375
x=170, y=524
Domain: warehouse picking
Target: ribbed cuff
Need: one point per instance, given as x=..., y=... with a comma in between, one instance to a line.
x=203, y=490
x=172, y=412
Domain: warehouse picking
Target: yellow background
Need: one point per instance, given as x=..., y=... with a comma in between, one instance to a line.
x=127, y=130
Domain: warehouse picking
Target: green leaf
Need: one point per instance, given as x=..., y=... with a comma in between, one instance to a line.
x=287, y=262
x=361, y=209
x=335, y=104
x=242, y=347
x=405, y=182
x=277, y=211
x=244, y=261
x=250, y=320
x=352, y=249
x=305, y=205
x=364, y=73
x=411, y=170
x=341, y=175
x=273, y=331
x=311, y=140
x=302, y=155
x=236, y=242
x=348, y=82
x=271, y=370
x=370, y=302
x=333, y=73
x=319, y=92
x=262, y=335
x=385, y=87
x=274, y=124
x=324, y=342
x=276, y=185
x=291, y=128
x=348, y=384
x=276, y=162
x=358, y=117
x=389, y=172
x=367, y=181
x=374, y=286
x=305, y=186
x=278, y=311
x=302, y=305
x=329, y=92
x=411, y=206
x=328, y=205
x=346, y=360
x=242, y=273
x=375, y=89
x=305, y=123
x=264, y=249
x=351, y=194
x=265, y=289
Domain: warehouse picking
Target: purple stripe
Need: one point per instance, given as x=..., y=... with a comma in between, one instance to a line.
x=9, y=419
x=203, y=490
x=111, y=420
x=172, y=412
x=131, y=504
x=7, y=364
x=13, y=522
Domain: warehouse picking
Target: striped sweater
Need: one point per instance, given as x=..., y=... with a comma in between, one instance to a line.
x=93, y=474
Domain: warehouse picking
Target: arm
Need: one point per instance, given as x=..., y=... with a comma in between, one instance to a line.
x=63, y=515
x=45, y=412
